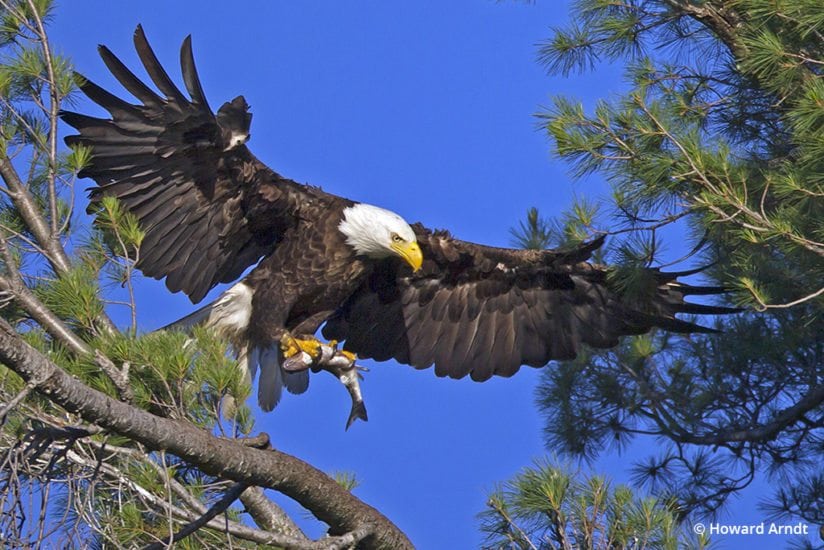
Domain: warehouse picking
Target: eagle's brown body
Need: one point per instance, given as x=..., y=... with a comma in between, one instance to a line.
x=210, y=210
x=307, y=277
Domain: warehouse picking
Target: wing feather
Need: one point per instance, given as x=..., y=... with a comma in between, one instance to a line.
x=483, y=311
x=208, y=207
x=155, y=70
x=190, y=78
x=127, y=79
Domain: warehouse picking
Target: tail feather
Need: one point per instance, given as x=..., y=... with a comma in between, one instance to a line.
x=251, y=359
x=270, y=383
x=196, y=318
x=296, y=382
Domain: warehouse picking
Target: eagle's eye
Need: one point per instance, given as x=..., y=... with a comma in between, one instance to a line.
x=396, y=238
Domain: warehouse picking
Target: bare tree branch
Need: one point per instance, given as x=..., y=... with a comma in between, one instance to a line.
x=763, y=306
x=32, y=216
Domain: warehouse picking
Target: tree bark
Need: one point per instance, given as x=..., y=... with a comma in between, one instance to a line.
x=313, y=489
x=268, y=515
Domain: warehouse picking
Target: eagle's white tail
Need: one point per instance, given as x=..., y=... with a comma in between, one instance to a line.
x=229, y=316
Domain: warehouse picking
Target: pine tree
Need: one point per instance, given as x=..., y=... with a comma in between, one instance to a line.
x=719, y=142
x=544, y=506
x=109, y=439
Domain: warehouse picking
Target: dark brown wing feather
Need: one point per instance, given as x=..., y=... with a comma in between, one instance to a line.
x=208, y=207
x=480, y=310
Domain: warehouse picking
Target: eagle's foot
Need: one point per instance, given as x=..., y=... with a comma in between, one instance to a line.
x=306, y=352
x=348, y=354
x=302, y=353
x=292, y=346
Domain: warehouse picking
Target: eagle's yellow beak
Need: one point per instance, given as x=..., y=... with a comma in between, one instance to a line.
x=410, y=252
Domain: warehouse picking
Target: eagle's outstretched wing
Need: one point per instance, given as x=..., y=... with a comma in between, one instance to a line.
x=208, y=207
x=484, y=311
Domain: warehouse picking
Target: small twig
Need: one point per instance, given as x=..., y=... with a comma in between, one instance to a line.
x=169, y=516
x=34, y=247
x=763, y=306
x=655, y=224
x=120, y=376
x=128, y=266
x=21, y=120
x=495, y=506
x=4, y=410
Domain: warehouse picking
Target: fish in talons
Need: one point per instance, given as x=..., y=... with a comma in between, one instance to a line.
x=319, y=356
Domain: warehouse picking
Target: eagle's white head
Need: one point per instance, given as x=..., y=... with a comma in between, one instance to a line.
x=379, y=233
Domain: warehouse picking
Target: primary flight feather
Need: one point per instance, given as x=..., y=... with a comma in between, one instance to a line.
x=385, y=288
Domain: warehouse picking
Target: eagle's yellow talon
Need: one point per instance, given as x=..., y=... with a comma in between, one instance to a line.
x=292, y=346
x=348, y=354
x=288, y=346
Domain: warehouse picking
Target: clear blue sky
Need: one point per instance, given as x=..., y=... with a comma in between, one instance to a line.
x=426, y=108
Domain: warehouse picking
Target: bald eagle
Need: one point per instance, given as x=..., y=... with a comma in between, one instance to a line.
x=385, y=288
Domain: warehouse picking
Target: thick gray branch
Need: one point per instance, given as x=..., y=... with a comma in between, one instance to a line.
x=313, y=489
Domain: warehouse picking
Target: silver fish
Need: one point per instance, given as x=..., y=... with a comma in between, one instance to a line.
x=342, y=366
